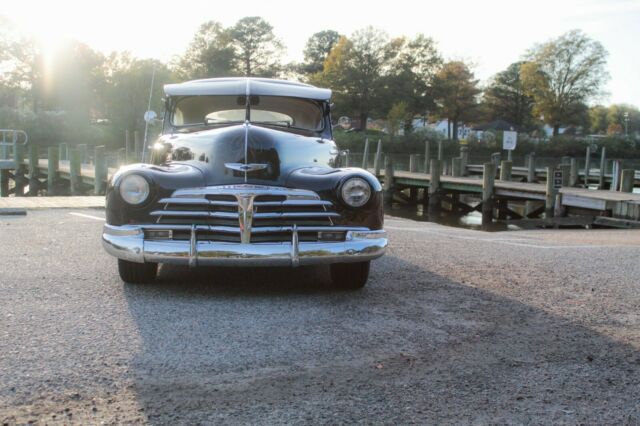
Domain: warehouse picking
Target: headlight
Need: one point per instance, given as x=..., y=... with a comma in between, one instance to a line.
x=134, y=189
x=355, y=192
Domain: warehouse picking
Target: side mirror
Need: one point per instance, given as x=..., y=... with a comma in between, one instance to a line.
x=150, y=117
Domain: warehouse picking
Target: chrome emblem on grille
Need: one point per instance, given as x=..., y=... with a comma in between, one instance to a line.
x=245, y=216
x=251, y=167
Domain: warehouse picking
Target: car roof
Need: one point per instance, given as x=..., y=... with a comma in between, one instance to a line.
x=239, y=86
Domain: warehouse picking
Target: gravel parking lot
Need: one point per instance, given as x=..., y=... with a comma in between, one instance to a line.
x=455, y=326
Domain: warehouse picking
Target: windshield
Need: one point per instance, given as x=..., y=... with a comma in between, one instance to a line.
x=278, y=111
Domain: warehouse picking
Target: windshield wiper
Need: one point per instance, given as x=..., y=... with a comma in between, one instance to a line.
x=282, y=123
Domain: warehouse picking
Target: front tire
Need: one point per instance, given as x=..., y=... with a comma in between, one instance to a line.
x=137, y=273
x=350, y=276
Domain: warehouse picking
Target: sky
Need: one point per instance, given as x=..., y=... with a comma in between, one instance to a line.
x=489, y=33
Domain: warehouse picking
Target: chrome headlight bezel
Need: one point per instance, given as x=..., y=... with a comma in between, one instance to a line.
x=134, y=189
x=355, y=192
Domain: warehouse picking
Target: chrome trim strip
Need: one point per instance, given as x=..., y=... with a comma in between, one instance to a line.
x=294, y=215
x=234, y=190
x=136, y=229
x=295, y=254
x=197, y=201
x=193, y=247
x=196, y=213
x=245, y=216
x=293, y=203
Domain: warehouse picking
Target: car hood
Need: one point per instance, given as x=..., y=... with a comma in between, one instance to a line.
x=248, y=153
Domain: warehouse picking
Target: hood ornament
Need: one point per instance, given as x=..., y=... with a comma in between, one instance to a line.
x=241, y=167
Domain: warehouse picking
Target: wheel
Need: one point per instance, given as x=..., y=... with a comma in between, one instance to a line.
x=350, y=276
x=137, y=273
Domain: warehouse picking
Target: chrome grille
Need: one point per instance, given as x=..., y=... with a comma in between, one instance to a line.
x=219, y=214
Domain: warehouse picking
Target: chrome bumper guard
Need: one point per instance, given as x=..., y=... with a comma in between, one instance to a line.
x=128, y=242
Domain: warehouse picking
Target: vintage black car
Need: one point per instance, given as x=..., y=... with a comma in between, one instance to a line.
x=245, y=173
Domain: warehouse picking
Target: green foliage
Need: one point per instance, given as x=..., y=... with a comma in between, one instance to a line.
x=317, y=50
x=562, y=75
x=258, y=51
x=210, y=54
x=505, y=99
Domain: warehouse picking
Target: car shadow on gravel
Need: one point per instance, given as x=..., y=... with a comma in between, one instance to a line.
x=281, y=346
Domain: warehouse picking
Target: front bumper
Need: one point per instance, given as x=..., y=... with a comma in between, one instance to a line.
x=127, y=242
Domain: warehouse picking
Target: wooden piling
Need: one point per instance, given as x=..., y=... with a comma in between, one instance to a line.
x=531, y=168
x=413, y=163
x=376, y=161
x=20, y=171
x=100, y=168
x=122, y=157
x=365, y=155
x=53, y=164
x=495, y=159
x=626, y=180
x=456, y=167
x=137, y=147
x=488, y=183
x=440, y=150
x=550, y=194
x=603, y=167
x=505, y=170
x=34, y=171
x=346, y=158
x=4, y=182
x=566, y=172
x=388, y=179
x=427, y=155
x=573, y=172
x=75, y=161
x=616, y=171
x=434, y=187
x=464, y=157
x=128, y=144
x=587, y=165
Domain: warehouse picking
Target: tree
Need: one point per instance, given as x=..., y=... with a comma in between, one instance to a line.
x=598, y=121
x=258, y=51
x=356, y=70
x=624, y=117
x=414, y=66
x=397, y=116
x=455, y=89
x=210, y=53
x=506, y=99
x=562, y=75
x=317, y=49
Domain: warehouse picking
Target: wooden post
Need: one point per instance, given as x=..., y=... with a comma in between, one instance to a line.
x=137, y=146
x=75, y=161
x=573, y=172
x=128, y=146
x=19, y=178
x=559, y=210
x=365, y=155
x=488, y=182
x=4, y=182
x=100, y=167
x=550, y=194
x=587, y=165
x=53, y=163
x=434, y=187
x=505, y=170
x=388, y=179
x=509, y=155
x=63, y=152
x=616, y=170
x=82, y=148
x=413, y=163
x=603, y=167
x=464, y=157
x=346, y=158
x=531, y=168
x=495, y=159
x=376, y=161
x=427, y=155
x=440, y=150
x=626, y=181
x=34, y=183
x=456, y=167
x=122, y=157
x=566, y=171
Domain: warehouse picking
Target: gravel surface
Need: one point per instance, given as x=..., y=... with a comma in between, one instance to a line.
x=455, y=326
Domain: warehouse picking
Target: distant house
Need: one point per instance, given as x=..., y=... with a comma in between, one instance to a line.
x=494, y=126
x=442, y=126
